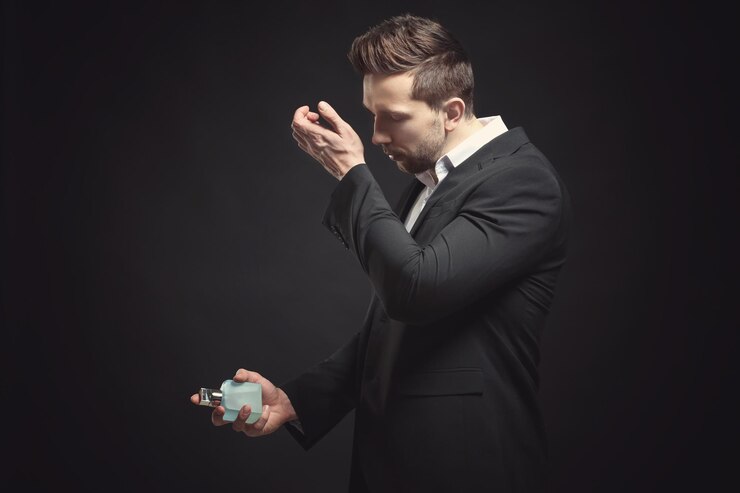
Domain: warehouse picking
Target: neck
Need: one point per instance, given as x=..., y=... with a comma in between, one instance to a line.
x=460, y=133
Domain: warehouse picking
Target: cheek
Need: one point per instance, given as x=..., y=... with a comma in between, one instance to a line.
x=407, y=136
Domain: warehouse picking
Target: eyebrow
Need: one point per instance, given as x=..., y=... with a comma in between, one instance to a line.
x=392, y=112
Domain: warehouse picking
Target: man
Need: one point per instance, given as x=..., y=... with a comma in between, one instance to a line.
x=443, y=372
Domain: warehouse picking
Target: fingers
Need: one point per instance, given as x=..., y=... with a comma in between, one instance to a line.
x=255, y=429
x=243, y=375
x=315, y=131
x=306, y=124
x=300, y=114
x=241, y=419
x=258, y=427
x=330, y=115
x=217, y=416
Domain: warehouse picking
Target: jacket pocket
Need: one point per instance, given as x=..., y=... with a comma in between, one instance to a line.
x=457, y=381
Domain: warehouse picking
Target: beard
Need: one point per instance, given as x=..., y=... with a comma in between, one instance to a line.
x=426, y=154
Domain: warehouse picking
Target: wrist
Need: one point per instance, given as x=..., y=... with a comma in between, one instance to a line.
x=349, y=168
x=285, y=403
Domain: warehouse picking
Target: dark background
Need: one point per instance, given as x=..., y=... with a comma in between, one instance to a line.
x=161, y=229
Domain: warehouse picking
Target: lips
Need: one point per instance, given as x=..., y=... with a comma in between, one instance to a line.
x=390, y=153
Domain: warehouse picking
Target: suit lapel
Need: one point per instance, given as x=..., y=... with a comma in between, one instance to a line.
x=408, y=197
x=503, y=145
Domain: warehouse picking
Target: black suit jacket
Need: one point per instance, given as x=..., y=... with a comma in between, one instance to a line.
x=443, y=372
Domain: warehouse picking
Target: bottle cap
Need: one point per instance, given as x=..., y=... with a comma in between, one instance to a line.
x=210, y=397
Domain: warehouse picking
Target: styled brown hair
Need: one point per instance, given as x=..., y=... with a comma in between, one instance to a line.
x=407, y=43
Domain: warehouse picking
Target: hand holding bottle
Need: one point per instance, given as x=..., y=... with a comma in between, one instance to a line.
x=276, y=408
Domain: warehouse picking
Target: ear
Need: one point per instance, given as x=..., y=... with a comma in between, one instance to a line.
x=454, y=113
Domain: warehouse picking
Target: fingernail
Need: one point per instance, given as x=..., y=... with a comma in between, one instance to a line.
x=322, y=105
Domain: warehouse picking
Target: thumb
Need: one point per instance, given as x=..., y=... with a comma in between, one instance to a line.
x=330, y=115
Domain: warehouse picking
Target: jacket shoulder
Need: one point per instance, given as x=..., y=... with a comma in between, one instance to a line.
x=527, y=169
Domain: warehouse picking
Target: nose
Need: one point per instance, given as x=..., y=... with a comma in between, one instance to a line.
x=380, y=137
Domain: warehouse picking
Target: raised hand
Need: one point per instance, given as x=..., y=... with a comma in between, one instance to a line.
x=338, y=148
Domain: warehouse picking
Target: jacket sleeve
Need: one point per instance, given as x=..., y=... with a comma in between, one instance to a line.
x=502, y=229
x=323, y=395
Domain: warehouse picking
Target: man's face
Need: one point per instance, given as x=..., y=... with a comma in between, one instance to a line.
x=409, y=131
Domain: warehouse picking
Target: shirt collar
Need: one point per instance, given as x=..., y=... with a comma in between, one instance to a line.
x=493, y=126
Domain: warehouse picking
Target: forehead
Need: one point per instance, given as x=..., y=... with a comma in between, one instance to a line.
x=389, y=92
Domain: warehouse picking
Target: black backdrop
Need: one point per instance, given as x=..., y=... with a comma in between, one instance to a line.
x=161, y=229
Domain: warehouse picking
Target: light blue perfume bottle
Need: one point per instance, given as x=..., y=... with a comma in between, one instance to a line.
x=232, y=396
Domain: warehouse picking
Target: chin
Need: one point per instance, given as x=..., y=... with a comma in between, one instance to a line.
x=401, y=167
x=419, y=169
x=404, y=170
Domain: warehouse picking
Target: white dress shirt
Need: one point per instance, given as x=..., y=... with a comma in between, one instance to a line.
x=493, y=126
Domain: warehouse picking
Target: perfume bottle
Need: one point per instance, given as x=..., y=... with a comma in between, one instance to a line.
x=232, y=396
